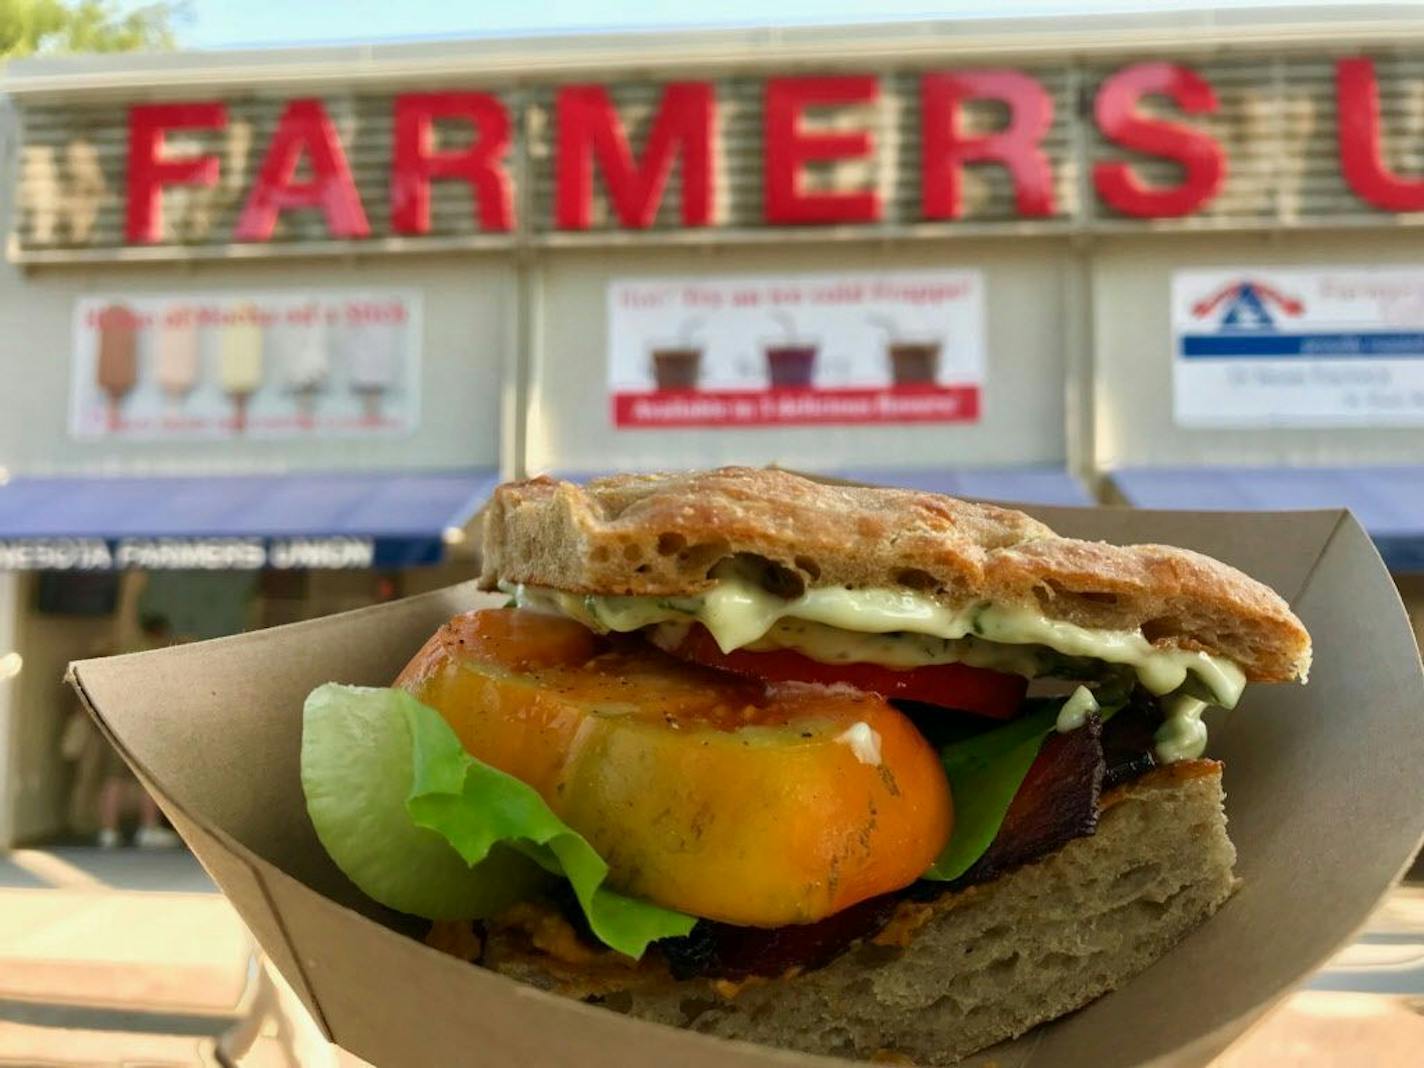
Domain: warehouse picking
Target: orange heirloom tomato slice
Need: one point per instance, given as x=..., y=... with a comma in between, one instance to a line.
x=728, y=798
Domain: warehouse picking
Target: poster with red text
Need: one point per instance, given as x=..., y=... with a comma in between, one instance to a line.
x=804, y=350
x=258, y=365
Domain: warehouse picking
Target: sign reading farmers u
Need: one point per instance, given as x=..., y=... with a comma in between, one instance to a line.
x=1056, y=146
x=1298, y=347
x=904, y=347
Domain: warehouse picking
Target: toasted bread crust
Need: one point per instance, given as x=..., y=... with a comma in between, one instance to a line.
x=662, y=534
x=955, y=975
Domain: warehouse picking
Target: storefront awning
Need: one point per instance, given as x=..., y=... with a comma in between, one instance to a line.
x=1389, y=501
x=1022, y=485
x=232, y=522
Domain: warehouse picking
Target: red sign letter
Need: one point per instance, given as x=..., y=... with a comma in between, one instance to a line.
x=150, y=170
x=588, y=128
x=416, y=162
x=788, y=148
x=1197, y=152
x=945, y=150
x=1357, y=103
x=303, y=128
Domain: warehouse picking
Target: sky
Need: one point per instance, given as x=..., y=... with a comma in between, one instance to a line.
x=268, y=23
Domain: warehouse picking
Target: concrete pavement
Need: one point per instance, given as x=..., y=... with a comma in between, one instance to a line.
x=115, y=957
x=171, y=870
x=131, y=958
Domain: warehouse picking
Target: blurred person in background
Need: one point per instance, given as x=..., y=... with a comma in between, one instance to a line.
x=103, y=779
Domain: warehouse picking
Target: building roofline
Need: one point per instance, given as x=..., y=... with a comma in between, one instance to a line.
x=506, y=60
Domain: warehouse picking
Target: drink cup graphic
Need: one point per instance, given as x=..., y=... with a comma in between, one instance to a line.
x=791, y=364
x=676, y=366
x=914, y=363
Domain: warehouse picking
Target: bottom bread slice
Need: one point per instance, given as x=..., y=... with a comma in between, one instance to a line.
x=953, y=976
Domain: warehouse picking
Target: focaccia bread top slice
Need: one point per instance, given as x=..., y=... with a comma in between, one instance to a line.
x=662, y=535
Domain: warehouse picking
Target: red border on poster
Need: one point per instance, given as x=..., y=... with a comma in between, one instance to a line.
x=796, y=407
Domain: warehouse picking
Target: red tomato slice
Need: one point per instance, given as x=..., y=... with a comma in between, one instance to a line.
x=977, y=690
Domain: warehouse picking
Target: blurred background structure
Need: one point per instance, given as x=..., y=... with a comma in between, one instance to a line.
x=274, y=321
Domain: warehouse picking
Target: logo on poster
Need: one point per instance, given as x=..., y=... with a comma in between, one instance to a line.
x=1299, y=347
x=1246, y=305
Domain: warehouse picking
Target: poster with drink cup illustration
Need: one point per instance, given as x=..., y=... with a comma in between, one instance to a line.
x=260, y=365
x=815, y=349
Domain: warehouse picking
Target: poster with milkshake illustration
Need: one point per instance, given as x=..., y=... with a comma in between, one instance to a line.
x=258, y=365
x=816, y=349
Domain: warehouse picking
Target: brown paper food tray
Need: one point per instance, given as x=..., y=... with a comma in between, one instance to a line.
x=1323, y=787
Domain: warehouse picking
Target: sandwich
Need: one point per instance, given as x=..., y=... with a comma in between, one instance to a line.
x=861, y=772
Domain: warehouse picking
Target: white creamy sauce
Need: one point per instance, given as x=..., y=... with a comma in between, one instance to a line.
x=864, y=742
x=1075, y=711
x=1182, y=735
x=905, y=629
x=739, y=613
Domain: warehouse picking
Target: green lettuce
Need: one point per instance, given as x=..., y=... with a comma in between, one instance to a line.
x=495, y=835
x=356, y=768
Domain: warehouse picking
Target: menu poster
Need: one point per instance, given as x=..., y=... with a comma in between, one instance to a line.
x=852, y=348
x=1298, y=347
x=234, y=365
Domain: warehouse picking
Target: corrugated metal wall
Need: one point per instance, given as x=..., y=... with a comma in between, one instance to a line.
x=1276, y=123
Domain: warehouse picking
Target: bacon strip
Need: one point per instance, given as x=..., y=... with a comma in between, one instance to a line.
x=1057, y=802
x=730, y=952
x=1127, y=746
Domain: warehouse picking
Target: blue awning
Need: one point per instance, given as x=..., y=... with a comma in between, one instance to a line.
x=1023, y=485
x=1388, y=501
x=329, y=520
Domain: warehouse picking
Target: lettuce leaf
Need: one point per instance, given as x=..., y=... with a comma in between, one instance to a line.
x=356, y=772
x=474, y=807
x=495, y=835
